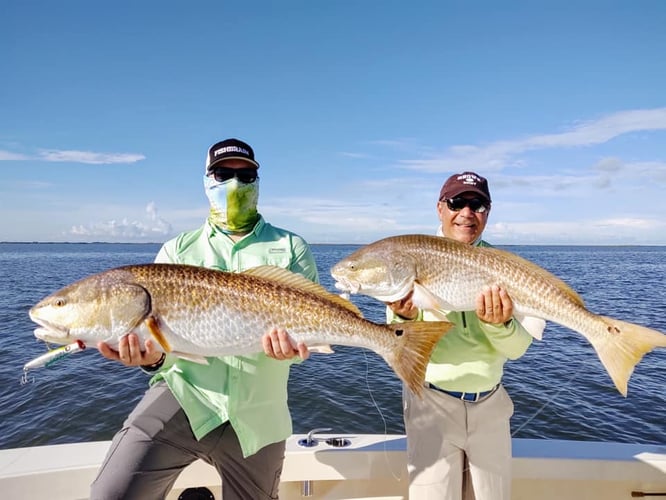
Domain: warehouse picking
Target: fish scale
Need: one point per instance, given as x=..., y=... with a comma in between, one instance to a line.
x=194, y=312
x=449, y=275
x=531, y=294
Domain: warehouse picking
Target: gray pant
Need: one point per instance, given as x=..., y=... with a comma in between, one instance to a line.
x=156, y=444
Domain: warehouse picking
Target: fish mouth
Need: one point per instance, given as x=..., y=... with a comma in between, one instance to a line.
x=346, y=285
x=51, y=336
x=50, y=332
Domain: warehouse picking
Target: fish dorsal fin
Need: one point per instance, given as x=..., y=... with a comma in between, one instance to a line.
x=300, y=282
x=533, y=268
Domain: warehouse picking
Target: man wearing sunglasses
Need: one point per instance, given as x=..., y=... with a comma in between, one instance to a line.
x=233, y=412
x=458, y=434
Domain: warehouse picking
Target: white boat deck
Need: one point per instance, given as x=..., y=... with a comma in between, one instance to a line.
x=372, y=466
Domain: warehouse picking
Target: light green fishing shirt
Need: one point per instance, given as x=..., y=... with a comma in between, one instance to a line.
x=248, y=391
x=470, y=357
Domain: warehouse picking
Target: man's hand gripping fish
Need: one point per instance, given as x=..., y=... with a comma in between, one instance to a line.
x=193, y=312
x=448, y=275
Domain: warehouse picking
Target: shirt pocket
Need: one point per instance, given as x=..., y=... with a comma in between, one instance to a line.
x=282, y=260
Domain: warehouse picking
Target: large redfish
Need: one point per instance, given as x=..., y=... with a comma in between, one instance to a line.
x=448, y=275
x=195, y=312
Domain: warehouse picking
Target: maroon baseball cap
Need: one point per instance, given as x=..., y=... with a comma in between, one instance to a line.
x=466, y=182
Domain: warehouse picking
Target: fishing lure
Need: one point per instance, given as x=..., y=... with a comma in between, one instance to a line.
x=51, y=357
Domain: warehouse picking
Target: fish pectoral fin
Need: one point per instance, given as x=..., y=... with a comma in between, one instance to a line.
x=439, y=314
x=194, y=358
x=154, y=329
x=321, y=349
x=425, y=299
x=534, y=326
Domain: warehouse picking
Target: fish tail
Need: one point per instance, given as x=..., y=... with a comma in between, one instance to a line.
x=623, y=347
x=418, y=342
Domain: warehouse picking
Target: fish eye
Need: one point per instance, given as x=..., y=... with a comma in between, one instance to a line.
x=59, y=302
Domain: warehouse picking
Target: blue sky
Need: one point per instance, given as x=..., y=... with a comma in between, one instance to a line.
x=357, y=111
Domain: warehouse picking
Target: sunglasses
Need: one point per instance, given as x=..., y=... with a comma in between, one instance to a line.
x=245, y=175
x=475, y=204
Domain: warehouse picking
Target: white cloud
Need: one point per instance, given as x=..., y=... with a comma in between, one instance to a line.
x=609, y=165
x=340, y=220
x=73, y=156
x=615, y=231
x=9, y=156
x=89, y=157
x=500, y=154
x=358, y=156
x=629, y=223
x=154, y=228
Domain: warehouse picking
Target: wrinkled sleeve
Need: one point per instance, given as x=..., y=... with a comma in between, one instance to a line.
x=166, y=254
x=303, y=261
x=511, y=338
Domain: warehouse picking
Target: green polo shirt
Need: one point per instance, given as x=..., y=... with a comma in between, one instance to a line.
x=472, y=354
x=248, y=391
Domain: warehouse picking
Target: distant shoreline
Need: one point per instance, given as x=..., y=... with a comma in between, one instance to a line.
x=500, y=245
x=81, y=243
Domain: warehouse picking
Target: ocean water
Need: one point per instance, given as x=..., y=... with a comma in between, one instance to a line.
x=559, y=387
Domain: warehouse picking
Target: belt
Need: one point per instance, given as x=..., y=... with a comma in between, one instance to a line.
x=472, y=397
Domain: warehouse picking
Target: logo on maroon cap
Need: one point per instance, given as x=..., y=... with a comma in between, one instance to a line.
x=466, y=182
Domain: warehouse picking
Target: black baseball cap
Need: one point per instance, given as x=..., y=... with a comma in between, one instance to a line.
x=229, y=149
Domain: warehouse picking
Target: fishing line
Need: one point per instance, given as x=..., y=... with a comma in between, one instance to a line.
x=379, y=410
x=367, y=384
x=543, y=406
x=376, y=405
x=551, y=398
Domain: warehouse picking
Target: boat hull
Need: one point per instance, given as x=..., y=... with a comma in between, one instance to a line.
x=366, y=466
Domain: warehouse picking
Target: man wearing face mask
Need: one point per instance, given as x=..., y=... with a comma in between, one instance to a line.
x=233, y=412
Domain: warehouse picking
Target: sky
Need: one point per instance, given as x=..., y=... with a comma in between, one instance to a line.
x=357, y=110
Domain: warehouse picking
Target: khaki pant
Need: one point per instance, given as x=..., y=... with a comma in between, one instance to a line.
x=156, y=444
x=456, y=447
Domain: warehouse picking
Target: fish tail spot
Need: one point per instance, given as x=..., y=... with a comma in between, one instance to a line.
x=624, y=348
x=613, y=330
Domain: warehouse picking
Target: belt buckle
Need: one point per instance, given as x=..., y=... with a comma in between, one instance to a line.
x=481, y=396
x=474, y=399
